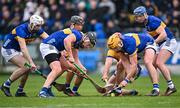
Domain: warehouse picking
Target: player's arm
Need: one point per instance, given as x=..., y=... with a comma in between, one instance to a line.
x=25, y=51
x=76, y=58
x=44, y=35
x=68, y=45
x=132, y=66
x=162, y=34
x=108, y=63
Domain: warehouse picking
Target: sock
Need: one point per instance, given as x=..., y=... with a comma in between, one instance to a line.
x=8, y=83
x=44, y=89
x=67, y=85
x=75, y=89
x=156, y=87
x=20, y=89
x=118, y=90
x=170, y=84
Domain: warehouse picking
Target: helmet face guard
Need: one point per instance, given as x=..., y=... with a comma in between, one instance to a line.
x=35, y=20
x=92, y=37
x=114, y=42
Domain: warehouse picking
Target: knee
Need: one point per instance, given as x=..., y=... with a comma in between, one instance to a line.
x=57, y=69
x=158, y=63
x=24, y=69
x=148, y=61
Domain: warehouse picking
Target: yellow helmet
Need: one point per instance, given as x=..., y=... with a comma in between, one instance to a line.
x=114, y=41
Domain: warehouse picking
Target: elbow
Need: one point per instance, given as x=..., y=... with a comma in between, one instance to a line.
x=23, y=49
x=65, y=41
x=164, y=35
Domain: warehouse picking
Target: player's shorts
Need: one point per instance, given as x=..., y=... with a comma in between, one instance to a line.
x=170, y=45
x=46, y=49
x=9, y=53
x=49, y=53
x=152, y=46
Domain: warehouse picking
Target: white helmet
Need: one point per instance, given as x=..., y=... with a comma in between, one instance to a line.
x=36, y=20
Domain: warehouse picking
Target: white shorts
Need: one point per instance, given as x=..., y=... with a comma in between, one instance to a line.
x=9, y=53
x=169, y=45
x=152, y=46
x=46, y=49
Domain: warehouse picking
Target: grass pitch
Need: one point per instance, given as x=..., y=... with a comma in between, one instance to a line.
x=90, y=98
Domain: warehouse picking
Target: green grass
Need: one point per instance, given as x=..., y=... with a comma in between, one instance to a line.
x=90, y=98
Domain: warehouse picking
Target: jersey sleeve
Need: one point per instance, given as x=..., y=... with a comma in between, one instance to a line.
x=131, y=50
x=20, y=32
x=40, y=31
x=154, y=24
x=77, y=34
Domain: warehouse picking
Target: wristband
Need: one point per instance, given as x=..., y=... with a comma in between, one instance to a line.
x=127, y=80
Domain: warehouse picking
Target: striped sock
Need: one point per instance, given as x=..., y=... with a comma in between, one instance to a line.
x=8, y=83
x=20, y=89
x=170, y=84
x=156, y=87
x=44, y=89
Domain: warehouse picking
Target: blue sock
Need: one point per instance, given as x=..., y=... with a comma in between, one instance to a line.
x=156, y=86
x=67, y=85
x=20, y=89
x=75, y=88
x=44, y=89
x=8, y=83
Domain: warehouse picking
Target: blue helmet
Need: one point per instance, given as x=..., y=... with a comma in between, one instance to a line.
x=139, y=10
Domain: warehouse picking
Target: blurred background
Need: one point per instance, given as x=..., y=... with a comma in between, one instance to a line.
x=102, y=16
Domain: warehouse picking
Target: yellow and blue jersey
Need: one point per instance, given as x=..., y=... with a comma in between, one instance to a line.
x=57, y=38
x=10, y=40
x=154, y=23
x=135, y=43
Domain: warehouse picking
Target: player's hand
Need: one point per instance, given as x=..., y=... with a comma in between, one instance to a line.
x=124, y=83
x=71, y=59
x=33, y=66
x=105, y=78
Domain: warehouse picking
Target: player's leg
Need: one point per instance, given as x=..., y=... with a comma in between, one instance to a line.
x=19, y=61
x=56, y=70
x=77, y=82
x=20, y=91
x=69, y=77
x=149, y=58
x=120, y=74
x=168, y=48
x=162, y=57
x=66, y=66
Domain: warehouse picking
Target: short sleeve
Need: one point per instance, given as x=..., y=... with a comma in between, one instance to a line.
x=77, y=34
x=131, y=50
x=154, y=23
x=20, y=32
x=40, y=31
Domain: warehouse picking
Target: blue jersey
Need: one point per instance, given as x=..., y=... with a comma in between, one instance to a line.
x=135, y=43
x=11, y=42
x=153, y=23
x=57, y=38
